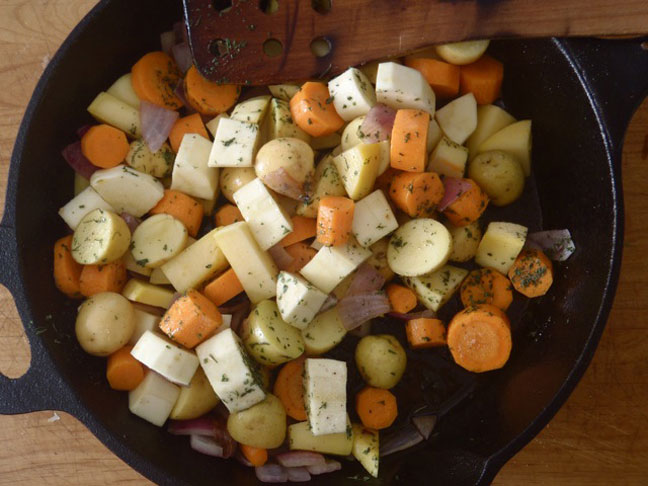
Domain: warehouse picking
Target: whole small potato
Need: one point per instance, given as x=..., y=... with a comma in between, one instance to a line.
x=233, y=178
x=105, y=323
x=262, y=425
x=499, y=175
x=295, y=156
x=381, y=360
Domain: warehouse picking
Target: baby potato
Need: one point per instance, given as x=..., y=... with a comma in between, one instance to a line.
x=196, y=399
x=101, y=237
x=157, y=240
x=105, y=323
x=291, y=154
x=499, y=175
x=157, y=164
x=233, y=178
x=381, y=360
x=262, y=425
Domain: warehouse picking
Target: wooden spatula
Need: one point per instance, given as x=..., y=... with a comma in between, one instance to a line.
x=272, y=41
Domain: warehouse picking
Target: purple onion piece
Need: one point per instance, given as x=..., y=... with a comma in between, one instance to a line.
x=157, y=123
x=556, y=244
x=425, y=424
x=330, y=466
x=131, y=221
x=298, y=474
x=300, y=459
x=366, y=280
x=399, y=440
x=281, y=257
x=378, y=123
x=75, y=159
x=206, y=445
x=199, y=426
x=358, y=309
x=167, y=41
x=330, y=302
x=182, y=55
x=453, y=188
x=271, y=473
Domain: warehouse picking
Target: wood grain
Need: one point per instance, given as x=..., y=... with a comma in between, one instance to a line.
x=600, y=437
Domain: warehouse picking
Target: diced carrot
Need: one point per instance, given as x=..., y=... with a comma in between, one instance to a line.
x=183, y=208
x=67, y=271
x=223, y=288
x=188, y=124
x=289, y=388
x=442, y=76
x=401, y=298
x=408, y=149
x=301, y=253
x=334, y=219
x=425, y=333
x=154, y=78
x=191, y=319
x=313, y=111
x=479, y=338
x=303, y=228
x=486, y=286
x=468, y=207
x=227, y=214
x=256, y=455
x=483, y=78
x=384, y=180
x=207, y=97
x=417, y=193
x=376, y=407
x=105, y=146
x=103, y=278
x=531, y=273
x=123, y=371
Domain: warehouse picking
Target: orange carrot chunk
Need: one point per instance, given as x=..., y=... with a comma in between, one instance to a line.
x=103, y=278
x=154, y=78
x=67, y=271
x=417, y=193
x=334, y=219
x=105, y=146
x=301, y=254
x=188, y=124
x=376, y=407
x=183, y=208
x=256, y=455
x=227, y=214
x=207, y=97
x=289, y=388
x=191, y=319
x=303, y=228
x=468, y=207
x=401, y=298
x=223, y=288
x=123, y=371
x=313, y=111
x=532, y=273
x=425, y=333
x=479, y=338
x=442, y=76
x=483, y=78
x=486, y=286
x=408, y=149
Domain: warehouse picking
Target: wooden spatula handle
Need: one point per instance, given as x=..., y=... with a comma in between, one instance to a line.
x=227, y=36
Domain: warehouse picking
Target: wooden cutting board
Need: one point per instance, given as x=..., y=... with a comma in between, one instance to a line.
x=599, y=438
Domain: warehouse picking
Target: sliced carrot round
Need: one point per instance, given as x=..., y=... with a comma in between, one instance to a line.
x=417, y=193
x=207, y=97
x=486, y=286
x=105, y=146
x=289, y=387
x=468, y=206
x=376, y=407
x=313, y=111
x=154, y=78
x=123, y=371
x=532, y=273
x=425, y=333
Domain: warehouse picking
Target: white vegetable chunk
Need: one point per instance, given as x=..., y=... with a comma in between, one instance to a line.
x=123, y=89
x=514, y=139
x=448, y=159
x=235, y=144
x=144, y=321
x=403, y=87
x=111, y=110
x=358, y=168
x=153, y=399
x=325, y=393
x=352, y=134
x=86, y=201
x=212, y=125
x=252, y=110
x=191, y=174
x=500, y=245
x=298, y=300
x=127, y=190
x=434, y=135
x=373, y=218
x=458, y=119
x=490, y=119
x=419, y=247
x=352, y=93
x=435, y=289
x=158, y=239
x=165, y=357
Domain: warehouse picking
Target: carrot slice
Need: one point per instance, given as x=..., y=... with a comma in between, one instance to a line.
x=417, y=193
x=182, y=126
x=468, y=207
x=123, y=371
x=313, y=111
x=401, y=298
x=105, y=146
x=154, y=78
x=376, y=407
x=479, y=338
x=227, y=214
x=408, y=149
x=256, y=455
x=425, y=333
x=334, y=219
x=289, y=388
x=67, y=271
x=486, y=286
x=531, y=273
x=223, y=288
x=191, y=319
x=207, y=97
x=483, y=78
x=103, y=278
x=442, y=76
x=303, y=228
x=183, y=208
x=301, y=253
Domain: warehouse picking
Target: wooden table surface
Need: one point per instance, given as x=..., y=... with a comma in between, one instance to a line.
x=600, y=437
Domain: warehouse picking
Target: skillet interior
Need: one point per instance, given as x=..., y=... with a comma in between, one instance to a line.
x=572, y=175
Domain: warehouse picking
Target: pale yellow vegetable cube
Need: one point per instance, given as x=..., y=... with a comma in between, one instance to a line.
x=106, y=108
x=448, y=159
x=146, y=293
x=191, y=173
x=235, y=144
x=514, y=139
x=373, y=218
x=490, y=119
x=327, y=183
x=434, y=135
x=366, y=448
x=86, y=201
x=400, y=87
x=212, y=125
x=279, y=122
x=153, y=399
x=358, y=169
x=458, y=119
x=352, y=93
x=144, y=321
x=163, y=356
x=500, y=246
x=80, y=183
x=123, y=89
x=301, y=438
x=435, y=289
x=283, y=91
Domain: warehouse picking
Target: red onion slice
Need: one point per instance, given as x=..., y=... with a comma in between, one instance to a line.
x=206, y=445
x=330, y=466
x=167, y=41
x=180, y=31
x=358, y=309
x=400, y=440
x=75, y=159
x=366, y=280
x=156, y=124
x=182, y=56
x=454, y=187
x=377, y=125
x=199, y=426
x=131, y=221
x=281, y=257
x=298, y=474
x=283, y=183
x=300, y=458
x=425, y=424
x=557, y=244
x=330, y=302
x=271, y=473
x=427, y=313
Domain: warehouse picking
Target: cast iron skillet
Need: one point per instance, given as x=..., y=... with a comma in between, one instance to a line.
x=580, y=95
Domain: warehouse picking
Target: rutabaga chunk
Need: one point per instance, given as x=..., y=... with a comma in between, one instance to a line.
x=366, y=448
x=327, y=183
x=230, y=371
x=252, y=110
x=435, y=289
x=212, y=125
x=127, y=190
x=358, y=169
x=153, y=399
x=147, y=293
x=235, y=144
x=111, y=110
x=372, y=219
x=166, y=358
x=325, y=383
x=500, y=246
x=298, y=300
x=144, y=321
x=458, y=119
x=254, y=267
x=419, y=247
x=86, y=201
x=301, y=438
x=332, y=264
x=122, y=89
x=267, y=219
x=191, y=174
x=279, y=122
x=403, y=87
x=448, y=159
x=324, y=332
x=352, y=93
